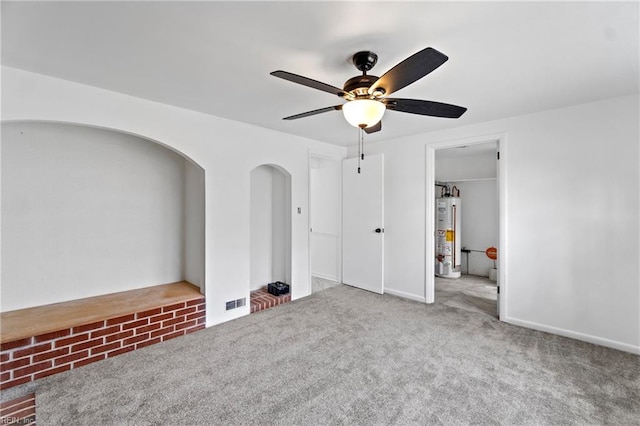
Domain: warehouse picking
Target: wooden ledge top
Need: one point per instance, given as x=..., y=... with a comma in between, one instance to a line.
x=38, y=320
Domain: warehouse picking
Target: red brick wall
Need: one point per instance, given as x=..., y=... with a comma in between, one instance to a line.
x=32, y=358
x=261, y=299
x=19, y=411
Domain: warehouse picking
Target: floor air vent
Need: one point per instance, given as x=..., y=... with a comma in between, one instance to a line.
x=238, y=303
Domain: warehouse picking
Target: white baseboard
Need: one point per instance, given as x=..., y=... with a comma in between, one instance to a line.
x=229, y=315
x=575, y=335
x=324, y=276
x=405, y=295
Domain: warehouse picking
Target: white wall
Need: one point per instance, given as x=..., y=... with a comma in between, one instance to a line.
x=281, y=226
x=226, y=150
x=325, y=218
x=194, y=217
x=261, y=227
x=478, y=223
x=465, y=167
x=270, y=227
x=572, y=218
x=87, y=212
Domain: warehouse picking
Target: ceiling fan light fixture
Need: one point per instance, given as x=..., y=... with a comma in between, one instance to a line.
x=363, y=113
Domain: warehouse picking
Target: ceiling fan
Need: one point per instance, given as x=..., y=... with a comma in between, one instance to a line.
x=366, y=95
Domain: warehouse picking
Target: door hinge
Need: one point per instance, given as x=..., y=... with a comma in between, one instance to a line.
x=498, y=155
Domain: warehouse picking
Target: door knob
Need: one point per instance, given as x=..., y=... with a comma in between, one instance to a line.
x=379, y=230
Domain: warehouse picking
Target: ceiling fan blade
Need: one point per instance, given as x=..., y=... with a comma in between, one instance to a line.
x=411, y=69
x=417, y=106
x=314, y=112
x=295, y=78
x=374, y=128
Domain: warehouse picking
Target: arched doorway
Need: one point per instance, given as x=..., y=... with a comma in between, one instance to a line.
x=270, y=227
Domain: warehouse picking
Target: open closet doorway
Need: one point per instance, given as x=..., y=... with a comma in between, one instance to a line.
x=464, y=206
x=325, y=250
x=270, y=228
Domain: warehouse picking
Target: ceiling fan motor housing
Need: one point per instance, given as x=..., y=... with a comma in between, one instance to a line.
x=359, y=85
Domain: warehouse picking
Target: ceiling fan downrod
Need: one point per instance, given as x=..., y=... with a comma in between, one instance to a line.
x=358, y=87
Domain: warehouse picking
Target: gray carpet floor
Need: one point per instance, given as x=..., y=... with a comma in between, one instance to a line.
x=469, y=292
x=346, y=356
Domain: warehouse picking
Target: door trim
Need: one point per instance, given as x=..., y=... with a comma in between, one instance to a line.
x=503, y=249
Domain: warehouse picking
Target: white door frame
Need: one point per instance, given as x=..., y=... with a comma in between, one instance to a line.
x=503, y=251
x=338, y=161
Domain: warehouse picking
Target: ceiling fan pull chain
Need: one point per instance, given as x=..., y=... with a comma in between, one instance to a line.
x=362, y=142
x=360, y=148
x=359, y=151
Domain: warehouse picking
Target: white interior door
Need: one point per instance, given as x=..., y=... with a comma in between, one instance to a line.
x=363, y=223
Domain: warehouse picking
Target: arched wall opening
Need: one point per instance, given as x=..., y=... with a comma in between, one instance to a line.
x=270, y=226
x=89, y=211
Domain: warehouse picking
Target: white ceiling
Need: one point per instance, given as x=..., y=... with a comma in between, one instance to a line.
x=505, y=58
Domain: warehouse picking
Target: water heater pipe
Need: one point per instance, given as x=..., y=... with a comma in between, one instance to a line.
x=454, y=236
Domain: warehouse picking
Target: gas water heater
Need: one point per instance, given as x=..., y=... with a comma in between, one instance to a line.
x=448, y=254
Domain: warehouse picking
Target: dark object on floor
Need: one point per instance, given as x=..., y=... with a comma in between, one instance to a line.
x=278, y=288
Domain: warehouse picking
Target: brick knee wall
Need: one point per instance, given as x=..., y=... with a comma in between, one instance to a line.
x=35, y=357
x=261, y=299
